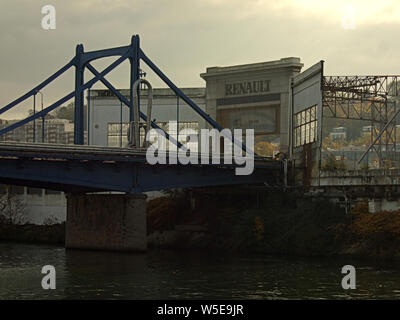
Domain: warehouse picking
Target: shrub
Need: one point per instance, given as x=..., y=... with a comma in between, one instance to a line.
x=331, y=164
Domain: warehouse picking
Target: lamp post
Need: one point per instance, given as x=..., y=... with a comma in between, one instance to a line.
x=88, y=116
x=34, y=120
x=41, y=98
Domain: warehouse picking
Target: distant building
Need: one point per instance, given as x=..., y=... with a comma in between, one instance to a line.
x=59, y=131
x=366, y=130
x=109, y=119
x=339, y=133
x=17, y=135
x=40, y=205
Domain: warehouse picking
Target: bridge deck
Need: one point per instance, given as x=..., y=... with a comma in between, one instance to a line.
x=73, y=168
x=77, y=152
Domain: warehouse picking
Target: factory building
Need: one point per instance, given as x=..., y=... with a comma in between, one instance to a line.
x=109, y=118
x=251, y=96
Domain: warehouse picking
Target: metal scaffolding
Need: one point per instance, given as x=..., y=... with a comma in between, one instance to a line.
x=370, y=98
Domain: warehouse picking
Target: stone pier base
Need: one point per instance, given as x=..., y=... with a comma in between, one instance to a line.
x=106, y=222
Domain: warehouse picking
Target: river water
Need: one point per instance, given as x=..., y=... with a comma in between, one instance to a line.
x=186, y=275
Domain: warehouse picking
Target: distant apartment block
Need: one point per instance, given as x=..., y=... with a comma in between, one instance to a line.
x=339, y=133
x=366, y=130
x=59, y=131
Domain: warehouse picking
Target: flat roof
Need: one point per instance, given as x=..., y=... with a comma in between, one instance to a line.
x=199, y=92
x=289, y=62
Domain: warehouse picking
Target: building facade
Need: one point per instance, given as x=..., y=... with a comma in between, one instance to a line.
x=59, y=131
x=109, y=118
x=252, y=96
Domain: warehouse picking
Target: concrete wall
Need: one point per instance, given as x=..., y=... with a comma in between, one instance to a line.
x=40, y=208
x=306, y=92
x=52, y=208
x=106, y=222
x=307, y=88
x=346, y=178
x=46, y=209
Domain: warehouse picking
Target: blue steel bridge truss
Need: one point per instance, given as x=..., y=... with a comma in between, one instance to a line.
x=81, y=61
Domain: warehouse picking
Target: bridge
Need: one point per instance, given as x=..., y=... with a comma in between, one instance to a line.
x=83, y=171
x=116, y=220
x=90, y=169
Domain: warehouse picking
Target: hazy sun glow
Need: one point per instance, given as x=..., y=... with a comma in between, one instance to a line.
x=365, y=11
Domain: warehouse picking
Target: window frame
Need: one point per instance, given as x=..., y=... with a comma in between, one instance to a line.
x=305, y=126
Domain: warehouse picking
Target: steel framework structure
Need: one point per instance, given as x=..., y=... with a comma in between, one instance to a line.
x=371, y=98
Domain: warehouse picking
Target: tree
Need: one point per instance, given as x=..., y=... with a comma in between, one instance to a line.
x=333, y=144
x=330, y=163
x=47, y=116
x=365, y=140
x=264, y=148
x=12, y=209
x=68, y=112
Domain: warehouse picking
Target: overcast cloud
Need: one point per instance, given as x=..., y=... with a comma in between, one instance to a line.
x=184, y=37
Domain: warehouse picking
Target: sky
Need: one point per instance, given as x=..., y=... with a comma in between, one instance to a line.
x=184, y=37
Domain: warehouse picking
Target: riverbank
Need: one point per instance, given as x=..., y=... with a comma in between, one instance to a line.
x=265, y=223
x=32, y=233
x=273, y=223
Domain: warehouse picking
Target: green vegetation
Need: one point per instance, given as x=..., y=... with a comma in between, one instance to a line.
x=371, y=234
x=53, y=234
x=331, y=164
x=284, y=225
x=12, y=208
x=265, y=149
x=63, y=112
x=281, y=224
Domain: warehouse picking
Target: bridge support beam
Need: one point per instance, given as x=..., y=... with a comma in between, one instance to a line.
x=135, y=70
x=114, y=222
x=79, y=137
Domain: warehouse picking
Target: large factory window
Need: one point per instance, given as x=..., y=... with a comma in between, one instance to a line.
x=263, y=119
x=117, y=135
x=305, y=126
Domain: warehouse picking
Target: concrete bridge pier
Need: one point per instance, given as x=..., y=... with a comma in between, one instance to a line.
x=114, y=222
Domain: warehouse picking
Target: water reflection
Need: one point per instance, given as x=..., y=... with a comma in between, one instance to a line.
x=185, y=275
